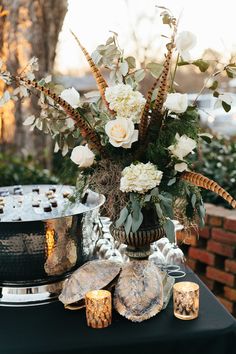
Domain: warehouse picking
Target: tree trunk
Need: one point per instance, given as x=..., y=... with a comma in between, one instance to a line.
x=30, y=28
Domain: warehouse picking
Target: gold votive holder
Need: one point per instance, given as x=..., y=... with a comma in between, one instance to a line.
x=98, y=308
x=186, y=300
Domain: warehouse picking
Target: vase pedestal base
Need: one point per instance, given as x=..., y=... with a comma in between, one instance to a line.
x=138, y=252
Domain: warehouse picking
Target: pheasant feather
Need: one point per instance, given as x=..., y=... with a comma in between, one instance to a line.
x=201, y=181
x=144, y=119
x=156, y=115
x=101, y=82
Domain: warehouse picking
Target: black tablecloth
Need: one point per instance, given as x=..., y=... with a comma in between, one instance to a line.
x=51, y=329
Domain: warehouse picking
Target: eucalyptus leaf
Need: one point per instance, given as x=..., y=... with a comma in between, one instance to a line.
x=166, y=205
x=187, y=191
x=147, y=198
x=124, y=68
x=171, y=181
x=206, y=137
x=231, y=70
x=169, y=228
x=214, y=85
x=131, y=62
x=155, y=192
x=128, y=224
x=29, y=120
x=129, y=80
x=139, y=75
x=39, y=124
x=193, y=200
x=201, y=64
x=159, y=210
x=110, y=40
x=226, y=106
x=202, y=210
x=136, y=222
x=123, y=216
x=41, y=82
x=155, y=69
x=65, y=149
x=154, y=94
x=182, y=63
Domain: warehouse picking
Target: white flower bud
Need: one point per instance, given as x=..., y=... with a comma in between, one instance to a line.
x=176, y=102
x=183, y=146
x=184, y=43
x=71, y=96
x=180, y=167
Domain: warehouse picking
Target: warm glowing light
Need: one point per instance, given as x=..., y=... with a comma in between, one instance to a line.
x=50, y=241
x=186, y=300
x=98, y=308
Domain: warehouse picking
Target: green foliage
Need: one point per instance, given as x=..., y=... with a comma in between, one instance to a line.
x=203, y=65
x=230, y=70
x=217, y=161
x=65, y=170
x=169, y=228
x=15, y=170
x=186, y=123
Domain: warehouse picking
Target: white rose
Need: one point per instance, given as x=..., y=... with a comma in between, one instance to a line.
x=176, y=102
x=71, y=96
x=180, y=167
x=140, y=178
x=125, y=102
x=121, y=132
x=185, y=41
x=183, y=146
x=82, y=156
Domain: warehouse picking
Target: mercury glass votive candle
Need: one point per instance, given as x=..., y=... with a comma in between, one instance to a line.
x=186, y=300
x=98, y=308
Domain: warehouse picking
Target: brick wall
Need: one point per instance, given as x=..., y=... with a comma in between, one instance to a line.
x=212, y=254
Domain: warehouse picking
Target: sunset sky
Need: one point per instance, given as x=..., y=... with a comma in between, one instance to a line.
x=212, y=22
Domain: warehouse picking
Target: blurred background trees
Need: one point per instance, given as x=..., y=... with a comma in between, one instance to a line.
x=27, y=29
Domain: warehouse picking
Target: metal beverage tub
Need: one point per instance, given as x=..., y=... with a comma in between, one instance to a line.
x=39, y=250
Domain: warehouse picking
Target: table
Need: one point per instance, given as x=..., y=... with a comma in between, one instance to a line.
x=49, y=329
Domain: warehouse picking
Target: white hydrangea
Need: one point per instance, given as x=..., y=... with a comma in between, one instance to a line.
x=125, y=102
x=140, y=178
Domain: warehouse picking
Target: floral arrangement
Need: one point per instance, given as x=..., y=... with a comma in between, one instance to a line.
x=135, y=150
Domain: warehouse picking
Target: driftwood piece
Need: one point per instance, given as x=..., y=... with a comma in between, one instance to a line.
x=94, y=275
